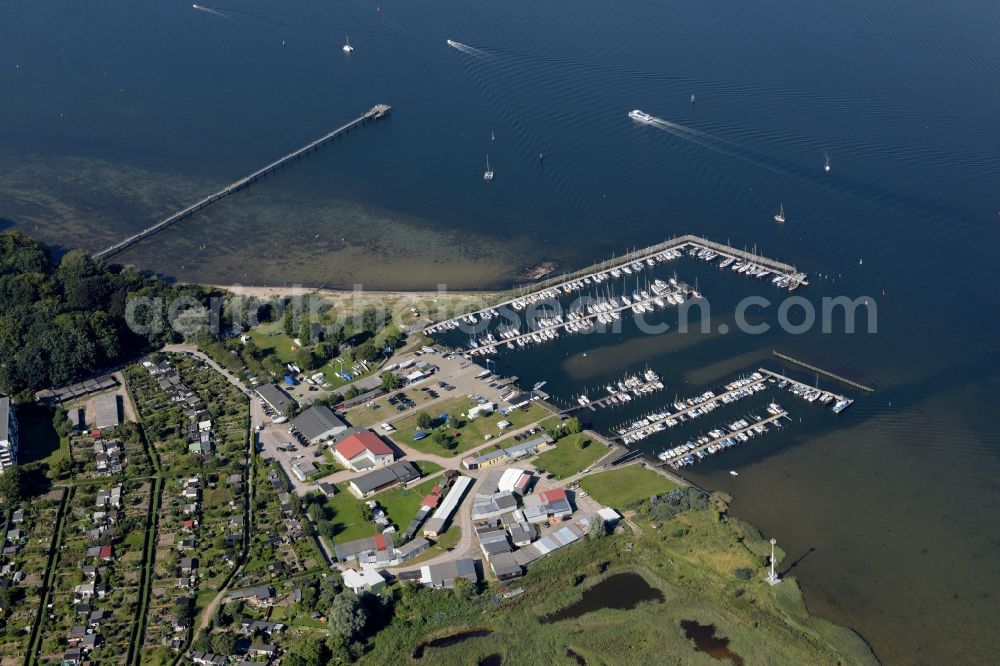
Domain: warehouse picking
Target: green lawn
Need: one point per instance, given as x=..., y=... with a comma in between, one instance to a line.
x=270, y=339
x=568, y=458
x=400, y=503
x=427, y=467
x=621, y=487
x=470, y=435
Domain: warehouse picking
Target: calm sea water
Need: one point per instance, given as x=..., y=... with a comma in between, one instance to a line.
x=118, y=113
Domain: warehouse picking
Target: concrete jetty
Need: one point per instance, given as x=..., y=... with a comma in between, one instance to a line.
x=825, y=373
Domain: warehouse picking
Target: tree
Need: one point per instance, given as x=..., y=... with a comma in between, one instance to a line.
x=288, y=321
x=61, y=468
x=325, y=351
x=309, y=651
x=424, y=421
x=304, y=358
x=347, y=616
x=573, y=426
x=223, y=643
x=13, y=484
x=390, y=382
x=393, y=338
x=367, y=351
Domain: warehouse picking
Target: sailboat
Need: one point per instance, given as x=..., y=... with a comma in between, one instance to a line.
x=826, y=165
x=347, y=47
x=492, y=137
x=488, y=174
x=780, y=217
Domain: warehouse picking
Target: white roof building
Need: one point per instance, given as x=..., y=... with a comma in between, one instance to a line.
x=366, y=580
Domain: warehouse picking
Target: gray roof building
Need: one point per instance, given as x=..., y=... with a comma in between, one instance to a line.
x=318, y=423
x=398, y=472
x=505, y=566
x=275, y=397
x=445, y=575
x=106, y=409
x=411, y=549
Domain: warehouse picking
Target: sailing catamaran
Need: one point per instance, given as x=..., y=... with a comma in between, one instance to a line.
x=488, y=174
x=780, y=217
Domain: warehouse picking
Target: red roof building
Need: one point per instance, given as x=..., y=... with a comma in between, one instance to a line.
x=363, y=450
x=550, y=496
x=106, y=553
x=431, y=501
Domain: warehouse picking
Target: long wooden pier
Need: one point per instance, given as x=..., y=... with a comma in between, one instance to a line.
x=376, y=112
x=826, y=373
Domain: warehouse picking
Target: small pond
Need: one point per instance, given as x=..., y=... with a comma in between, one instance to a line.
x=453, y=639
x=706, y=641
x=621, y=592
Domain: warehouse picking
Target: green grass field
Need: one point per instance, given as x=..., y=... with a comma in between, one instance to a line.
x=621, y=487
x=400, y=503
x=270, y=339
x=470, y=435
x=568, y=458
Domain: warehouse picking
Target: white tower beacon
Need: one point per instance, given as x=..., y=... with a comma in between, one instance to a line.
x=772, y=578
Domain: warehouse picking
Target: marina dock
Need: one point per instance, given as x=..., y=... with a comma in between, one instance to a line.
x=728, y=434
x=376, y=112
x=718, y=400
x=647, y=257
x=825, y=373
x=540, y=334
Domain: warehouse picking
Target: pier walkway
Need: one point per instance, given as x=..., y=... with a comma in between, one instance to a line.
x=779, y=376
x=376, y=112
x=823, y=372
x=609, y=401
x=727, y=435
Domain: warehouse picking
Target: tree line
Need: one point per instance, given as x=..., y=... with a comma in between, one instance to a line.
x=63, y=319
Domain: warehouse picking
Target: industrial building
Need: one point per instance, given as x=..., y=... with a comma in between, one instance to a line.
x=275, y=398
x=318, y=423
x=107, y=411
x=387, y=477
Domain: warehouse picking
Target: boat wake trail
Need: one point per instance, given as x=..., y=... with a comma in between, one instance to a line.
x=208, y=10
x=719, y=145
x=465, y=48
x=873, y=194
